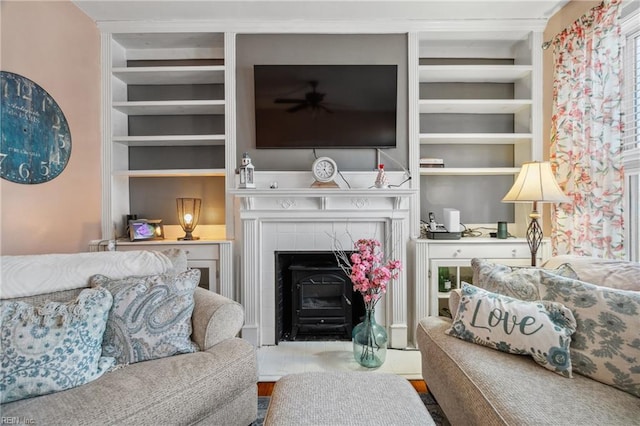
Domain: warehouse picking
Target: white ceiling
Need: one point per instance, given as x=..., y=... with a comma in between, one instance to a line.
x=322, y=10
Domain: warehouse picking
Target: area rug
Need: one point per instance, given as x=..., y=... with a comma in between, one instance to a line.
x=431, y=404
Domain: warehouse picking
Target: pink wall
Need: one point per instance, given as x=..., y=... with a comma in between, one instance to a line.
x=54, y=44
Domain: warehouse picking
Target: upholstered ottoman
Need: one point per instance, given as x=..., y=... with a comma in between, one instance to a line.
x=345, y=398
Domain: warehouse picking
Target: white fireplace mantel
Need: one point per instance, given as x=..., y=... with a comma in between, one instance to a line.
x=322, y=198
x=318, y=219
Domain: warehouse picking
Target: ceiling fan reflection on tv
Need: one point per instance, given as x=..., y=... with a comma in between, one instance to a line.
x=313, y=100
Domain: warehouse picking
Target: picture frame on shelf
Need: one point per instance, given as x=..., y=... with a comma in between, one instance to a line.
x=146, y=229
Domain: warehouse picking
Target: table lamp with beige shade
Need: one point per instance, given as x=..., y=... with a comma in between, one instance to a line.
x=535, y=184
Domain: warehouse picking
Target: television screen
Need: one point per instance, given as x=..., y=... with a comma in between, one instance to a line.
x=325, y=106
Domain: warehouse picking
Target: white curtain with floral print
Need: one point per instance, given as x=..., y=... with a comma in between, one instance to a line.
x=586, y=135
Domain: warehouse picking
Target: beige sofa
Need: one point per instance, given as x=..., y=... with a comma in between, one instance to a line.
x=477, y=385
x=215, y=385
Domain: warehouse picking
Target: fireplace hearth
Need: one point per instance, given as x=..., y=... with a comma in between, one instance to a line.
x=314, y=298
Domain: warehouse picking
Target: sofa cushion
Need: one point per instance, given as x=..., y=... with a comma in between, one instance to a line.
x=46, y=273
x=514, y=281
x=540, y=329
x=214, y=387
x=619, y=274
x=52, y=347
x=476, y=385
x=606, y=345
x=150, y=317
x=178, y=260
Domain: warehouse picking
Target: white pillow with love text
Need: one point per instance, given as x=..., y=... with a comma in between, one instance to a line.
x=540, y=329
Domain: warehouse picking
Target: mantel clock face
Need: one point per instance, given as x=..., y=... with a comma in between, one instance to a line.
x=324, y=169
x=36, y=141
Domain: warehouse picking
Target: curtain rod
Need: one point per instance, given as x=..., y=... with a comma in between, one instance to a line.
x=587, y=18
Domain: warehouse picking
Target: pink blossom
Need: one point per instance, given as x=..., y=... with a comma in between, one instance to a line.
x=370, y=272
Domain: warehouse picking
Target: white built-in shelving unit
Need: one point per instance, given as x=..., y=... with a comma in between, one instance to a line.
x=159, y=76
x=480, y=110
x=474, y=99
x=478, y=89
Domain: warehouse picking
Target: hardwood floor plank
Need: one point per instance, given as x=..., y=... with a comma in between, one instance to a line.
x=266, y=388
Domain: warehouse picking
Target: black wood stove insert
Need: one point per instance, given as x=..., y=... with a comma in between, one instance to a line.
x=314, y=298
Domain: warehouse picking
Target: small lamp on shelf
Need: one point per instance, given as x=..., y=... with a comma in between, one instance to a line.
x=535, y=184
x=188, y=216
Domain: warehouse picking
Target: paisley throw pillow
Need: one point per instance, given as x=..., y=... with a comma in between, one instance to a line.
x=52, y=347
x=150, y=317
x=540, y=329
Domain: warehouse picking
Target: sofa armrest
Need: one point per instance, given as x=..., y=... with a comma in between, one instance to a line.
x=215, y=318
x=454, y=301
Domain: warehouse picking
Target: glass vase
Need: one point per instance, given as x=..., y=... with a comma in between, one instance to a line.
x=370, y=341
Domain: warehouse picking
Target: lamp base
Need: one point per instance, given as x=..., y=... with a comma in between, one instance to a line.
x=534, y=238
x=188, y=237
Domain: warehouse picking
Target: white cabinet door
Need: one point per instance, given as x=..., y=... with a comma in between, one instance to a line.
x=455, y=256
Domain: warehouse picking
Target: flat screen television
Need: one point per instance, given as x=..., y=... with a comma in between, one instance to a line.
x=325, y=106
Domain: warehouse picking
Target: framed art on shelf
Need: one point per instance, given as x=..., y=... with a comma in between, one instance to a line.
x=146, y=229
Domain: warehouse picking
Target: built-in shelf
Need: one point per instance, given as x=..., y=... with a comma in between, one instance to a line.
x=170, y=140
x=170, y=107
x=473, y=106
x=473, y=73
x=475, y=138
x=170, y=173
x=171, y=45
x=166, y=99
x=479, y=112
x=172, y=75
x=469, y=171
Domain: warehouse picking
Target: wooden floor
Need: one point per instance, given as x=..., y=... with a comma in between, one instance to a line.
x=266, y=388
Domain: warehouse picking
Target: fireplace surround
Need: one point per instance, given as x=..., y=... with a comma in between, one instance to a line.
x=318, y=219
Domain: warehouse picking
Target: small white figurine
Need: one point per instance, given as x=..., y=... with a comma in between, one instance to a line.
x=381, y=179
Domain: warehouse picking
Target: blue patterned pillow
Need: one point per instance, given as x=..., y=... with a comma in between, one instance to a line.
x=150, y=317
x=539, y=329
x=514, y=281
x=52, y=347
x=606, y=345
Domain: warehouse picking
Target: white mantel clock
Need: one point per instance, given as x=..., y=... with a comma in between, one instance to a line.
x=324, y=171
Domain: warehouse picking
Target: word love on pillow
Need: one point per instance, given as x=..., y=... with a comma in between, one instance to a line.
x=540, y=329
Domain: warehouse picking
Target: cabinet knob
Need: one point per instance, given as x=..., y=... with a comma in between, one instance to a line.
x=514, y=253
x=457, y=252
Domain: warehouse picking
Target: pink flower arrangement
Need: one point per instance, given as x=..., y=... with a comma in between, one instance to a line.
x=369, y=272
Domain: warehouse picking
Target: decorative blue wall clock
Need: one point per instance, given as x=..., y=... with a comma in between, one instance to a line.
x=36, y=141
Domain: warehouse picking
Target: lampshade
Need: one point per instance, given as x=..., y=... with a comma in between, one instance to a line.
x=188, y=215
x=535, y=183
